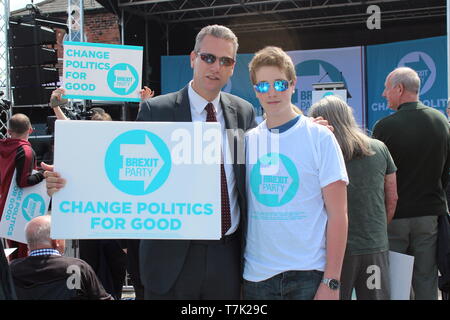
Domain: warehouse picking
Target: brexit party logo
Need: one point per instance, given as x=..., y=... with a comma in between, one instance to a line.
x=425, y=67
x=274, y=180
x=313, y=71
x=33, y=206
x=138, y=162
x=122, y=79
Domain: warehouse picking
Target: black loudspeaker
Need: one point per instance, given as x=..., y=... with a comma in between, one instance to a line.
x=32, y=95
x=32, y=73
x=26, y=56
x=22, y=35
x=33, y=76
x=51, y=124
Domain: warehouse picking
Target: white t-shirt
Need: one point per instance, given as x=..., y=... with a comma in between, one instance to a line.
x=286, y=212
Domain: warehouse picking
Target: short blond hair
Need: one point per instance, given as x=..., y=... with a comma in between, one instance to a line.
x=273, y=57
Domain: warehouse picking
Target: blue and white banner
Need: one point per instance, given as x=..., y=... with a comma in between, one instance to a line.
x=137, y=180
x=427, y=56
x=22, y=205
x=330, y=65
x=97, y=71
x=312, y=66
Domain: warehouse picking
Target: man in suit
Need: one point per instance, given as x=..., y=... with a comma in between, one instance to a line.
x=197, y=269
x=200, y=269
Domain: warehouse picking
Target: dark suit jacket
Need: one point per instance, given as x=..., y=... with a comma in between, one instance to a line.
x=161, y=260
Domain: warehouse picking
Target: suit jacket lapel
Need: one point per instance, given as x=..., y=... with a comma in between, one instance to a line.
x=182, y=110
x=229, y=112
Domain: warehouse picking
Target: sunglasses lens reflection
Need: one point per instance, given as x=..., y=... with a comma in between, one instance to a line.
x=262, y=87
x=279, y=85
x=210, y=59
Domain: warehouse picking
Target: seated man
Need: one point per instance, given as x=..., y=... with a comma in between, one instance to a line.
x=47, y=275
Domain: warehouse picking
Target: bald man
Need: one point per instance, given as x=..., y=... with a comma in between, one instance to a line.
x=47, y=275
x=16, y=154
x=418, y=139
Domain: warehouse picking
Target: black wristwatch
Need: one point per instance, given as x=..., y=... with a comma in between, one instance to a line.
x=333, y=284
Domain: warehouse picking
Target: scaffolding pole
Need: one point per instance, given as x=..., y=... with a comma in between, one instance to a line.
x=5, y=113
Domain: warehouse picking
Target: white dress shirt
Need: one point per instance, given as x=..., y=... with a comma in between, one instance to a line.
x=198, y=113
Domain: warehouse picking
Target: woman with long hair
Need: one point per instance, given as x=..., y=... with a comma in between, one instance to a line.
x=372, y=197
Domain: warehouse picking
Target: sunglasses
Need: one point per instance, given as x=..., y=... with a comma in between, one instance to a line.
x=278, y=85
x=209, y=58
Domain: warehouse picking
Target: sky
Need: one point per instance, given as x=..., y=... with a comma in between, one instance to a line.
x=19, y=4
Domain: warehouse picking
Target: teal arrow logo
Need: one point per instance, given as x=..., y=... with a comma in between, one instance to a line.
x=313, y=71
x=122, y=79
x=274, y=180
x=421, y=68
x=425, y=67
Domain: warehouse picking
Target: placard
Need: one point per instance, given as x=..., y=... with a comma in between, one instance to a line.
x=22, y=205
x=97, y=71
x=137, y=180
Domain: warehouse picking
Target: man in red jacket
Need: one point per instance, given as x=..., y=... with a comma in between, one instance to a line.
x=16, y=154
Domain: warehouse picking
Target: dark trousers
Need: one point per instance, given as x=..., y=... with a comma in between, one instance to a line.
x=211, y=271
x=288, y=285
x=109, y=262
x=133, y=267
x=368, y=274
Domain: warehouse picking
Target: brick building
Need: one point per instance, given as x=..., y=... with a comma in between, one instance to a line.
x=100, y=26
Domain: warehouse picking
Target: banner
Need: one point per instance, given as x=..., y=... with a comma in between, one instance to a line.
x=311, y=66
x=97, y=71
x=330, y=65
x=137, y=180
x=426, y=56
x=21, y=206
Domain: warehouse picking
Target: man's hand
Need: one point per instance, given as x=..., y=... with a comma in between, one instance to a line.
x=146, y=93
x=323, y=122
x=325, y=293
x=56, y=98
x=53, y=179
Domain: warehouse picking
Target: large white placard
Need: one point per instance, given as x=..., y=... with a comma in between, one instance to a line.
x=21, y=206
x=97, y=71
x=400, y=273
x=137, y=180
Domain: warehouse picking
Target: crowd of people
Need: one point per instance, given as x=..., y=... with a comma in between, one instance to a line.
x=351, y=197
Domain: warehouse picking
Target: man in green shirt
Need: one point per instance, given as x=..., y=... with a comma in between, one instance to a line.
x=418, y=139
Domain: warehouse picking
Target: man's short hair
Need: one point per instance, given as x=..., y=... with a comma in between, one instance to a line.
x=101, y=116
x=19, y=123
x=272, y=57
x=407, y=77
x=98, y=110
x=38, y=235
x=216, y=31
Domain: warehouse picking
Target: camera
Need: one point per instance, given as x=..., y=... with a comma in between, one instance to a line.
x=4, y=104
